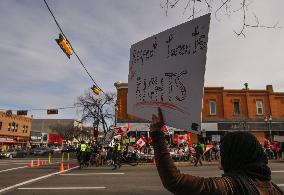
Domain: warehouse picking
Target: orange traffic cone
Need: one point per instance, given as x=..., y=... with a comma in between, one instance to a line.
x=67, y=166
x=61, y=167
x=31, y=164
x=38, y=163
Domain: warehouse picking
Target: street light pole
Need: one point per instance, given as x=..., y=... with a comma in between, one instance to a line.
x=270, y=122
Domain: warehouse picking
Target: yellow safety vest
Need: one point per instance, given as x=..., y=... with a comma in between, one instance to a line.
x=83, y=147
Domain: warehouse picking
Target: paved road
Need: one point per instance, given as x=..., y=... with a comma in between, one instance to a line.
x=141, y=179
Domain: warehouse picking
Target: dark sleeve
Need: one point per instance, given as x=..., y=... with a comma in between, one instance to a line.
x=179, y=183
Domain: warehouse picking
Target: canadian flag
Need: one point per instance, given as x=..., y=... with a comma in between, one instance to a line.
x=141, y=142
x=123, y=130
x=183, y=139
x=166, y=130
x=208, y=147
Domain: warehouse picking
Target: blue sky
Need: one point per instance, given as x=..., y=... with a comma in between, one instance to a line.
x=35, y=73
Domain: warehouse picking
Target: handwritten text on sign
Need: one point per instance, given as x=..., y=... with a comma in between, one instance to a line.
x=167, y=70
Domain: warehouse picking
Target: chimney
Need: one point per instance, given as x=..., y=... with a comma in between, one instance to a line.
x=269, y=88
x=246, y=86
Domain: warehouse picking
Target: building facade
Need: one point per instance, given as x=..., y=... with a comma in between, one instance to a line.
x=42, y=131
x=258, y=111
x=14, y=131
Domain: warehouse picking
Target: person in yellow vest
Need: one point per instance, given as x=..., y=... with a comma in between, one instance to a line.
x=82, y=154
x=117, y=154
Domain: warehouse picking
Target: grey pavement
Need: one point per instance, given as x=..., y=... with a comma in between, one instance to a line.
x=141, y=179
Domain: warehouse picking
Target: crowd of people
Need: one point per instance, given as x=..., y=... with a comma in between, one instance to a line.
x=95, y=154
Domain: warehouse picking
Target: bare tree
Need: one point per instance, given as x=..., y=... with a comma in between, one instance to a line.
x=220, y=7
x=67, y=131
x=98, y=109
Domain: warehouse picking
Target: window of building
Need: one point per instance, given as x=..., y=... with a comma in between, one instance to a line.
x=237, y=108
x=259, y=107
x=9, y=127
x=27, y=128
x=16, y=128
x=0, y=125
x=13, y=126
x=212, y=105
x=24, y=128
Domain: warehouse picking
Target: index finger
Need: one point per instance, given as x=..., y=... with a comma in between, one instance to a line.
x=160, y=114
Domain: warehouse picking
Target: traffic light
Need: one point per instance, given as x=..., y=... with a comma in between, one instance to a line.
x=64, y=45
x=96, y=132
x=52, y=111
x=22, y=112
x=96, y=90
x=9, y=113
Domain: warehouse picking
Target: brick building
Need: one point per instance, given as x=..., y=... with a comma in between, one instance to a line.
x=14, y=130
x=258, y=111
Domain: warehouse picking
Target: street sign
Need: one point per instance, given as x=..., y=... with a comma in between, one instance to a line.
x=167, y=71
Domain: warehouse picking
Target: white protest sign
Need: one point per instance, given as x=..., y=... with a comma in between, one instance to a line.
x=278, y=138
x=167, y=71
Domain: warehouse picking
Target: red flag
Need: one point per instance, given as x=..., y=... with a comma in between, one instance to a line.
x=140, y=143
x=208, y=147
x=166, y=130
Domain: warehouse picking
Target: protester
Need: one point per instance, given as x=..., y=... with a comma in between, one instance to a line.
x=81, y=154
x=199, y=152
x=241, y=157
x=117, y=153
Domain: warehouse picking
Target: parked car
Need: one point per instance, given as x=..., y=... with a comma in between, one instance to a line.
x=55, y=149
x=2, y=155
x=31, y=151
x=43, y=151
x=68, y=149
x=14, y=153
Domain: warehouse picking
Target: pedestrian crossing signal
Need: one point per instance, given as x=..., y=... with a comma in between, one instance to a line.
x=52, y=111
x=96, y=90
x=22, y=112
x=64, y=45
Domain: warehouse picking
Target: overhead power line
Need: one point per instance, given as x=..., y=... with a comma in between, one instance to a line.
x=41, y=109
x=71, y=46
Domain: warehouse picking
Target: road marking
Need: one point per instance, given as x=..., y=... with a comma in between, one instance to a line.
x=35, y=179
x=277, y=171
x=63, y=188
x=5, y=170
x=74, y=174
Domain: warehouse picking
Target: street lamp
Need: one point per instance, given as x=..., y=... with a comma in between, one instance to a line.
x=268, y=121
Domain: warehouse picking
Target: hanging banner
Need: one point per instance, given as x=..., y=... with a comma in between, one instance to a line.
x=167, y=71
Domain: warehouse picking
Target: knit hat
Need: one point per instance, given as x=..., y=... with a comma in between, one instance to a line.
x=241, y=153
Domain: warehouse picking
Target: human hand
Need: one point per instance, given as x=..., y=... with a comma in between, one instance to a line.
x=157, y=122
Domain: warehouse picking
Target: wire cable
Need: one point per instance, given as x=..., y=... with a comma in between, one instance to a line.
x=72, y=47
x=42, y=109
